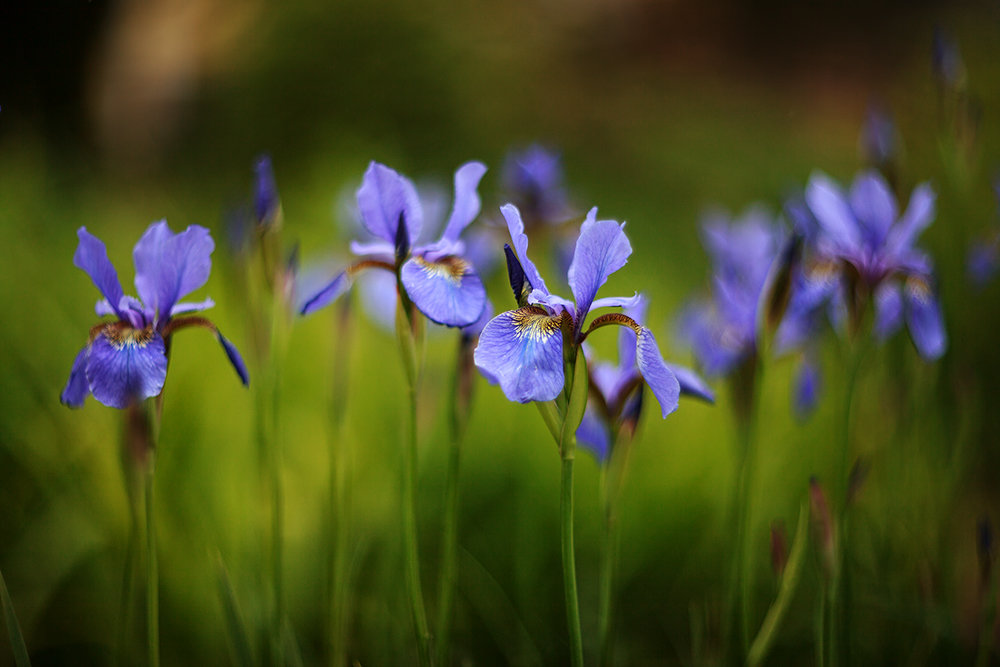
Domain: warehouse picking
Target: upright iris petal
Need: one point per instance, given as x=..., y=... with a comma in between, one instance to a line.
x=170, y=266
x=92, y=256
x=601, y=249
x=384, y=198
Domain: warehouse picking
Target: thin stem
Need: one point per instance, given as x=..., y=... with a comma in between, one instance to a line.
x=568, y=557
x=339, y=493
x=612, y=479
x=411, y=553
x=152, y=574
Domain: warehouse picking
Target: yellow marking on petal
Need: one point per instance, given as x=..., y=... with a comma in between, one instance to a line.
x=918, y=288
x=121, y=335
x=449, y=266
x=534, y=323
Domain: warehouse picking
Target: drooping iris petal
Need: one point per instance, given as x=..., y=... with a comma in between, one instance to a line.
x=888, y=310
x=467, y=203
x=874, y=205
x=515, y=225
x=476, y=327
x=691, y=384
x=92, y=256
x=601, y=249
x=383, y=197
x=656, y=373
x=923, y=319
x=626, y=335
x=447, y=291
x=77, y=387
x=523, y=350
x=234, y=358
x=170, y=266
x=191, y=306
x=379, y=294
x=126, y=365
x=831, y=210
x=327, y=294
x=593, y=435
x=919, y=214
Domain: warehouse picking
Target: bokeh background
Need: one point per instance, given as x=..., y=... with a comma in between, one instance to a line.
x=115, y=114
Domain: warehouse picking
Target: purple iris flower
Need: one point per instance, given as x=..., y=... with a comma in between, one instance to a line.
x=878, y=141
x=616, y=390
x=983, y=259
x=723, y=331
x=523, y=349
x=872, y=249
x=437, y=278
x=125, y=360
x=533, y=178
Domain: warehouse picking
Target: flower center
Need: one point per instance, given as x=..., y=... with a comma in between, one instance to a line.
x=122, y=334
x=534, y=323
x=449, y=266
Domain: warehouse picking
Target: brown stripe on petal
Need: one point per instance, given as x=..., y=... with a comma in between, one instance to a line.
x=121, y=334
x=449, y=266
x=534, y=323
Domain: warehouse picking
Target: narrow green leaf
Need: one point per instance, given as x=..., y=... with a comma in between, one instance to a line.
x=13, y=627
x=234, y=619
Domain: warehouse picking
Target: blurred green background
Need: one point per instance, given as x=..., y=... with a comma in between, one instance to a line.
x=113, y=115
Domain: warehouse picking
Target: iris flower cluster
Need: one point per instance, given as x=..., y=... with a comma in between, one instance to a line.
x=125, y=359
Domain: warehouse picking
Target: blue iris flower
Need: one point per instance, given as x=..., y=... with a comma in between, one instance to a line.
x=533, y=178
x=125, y=360
x=871, y=250
x=616, y=390
x=523, y=349
x=723, y=330
x=437, y=277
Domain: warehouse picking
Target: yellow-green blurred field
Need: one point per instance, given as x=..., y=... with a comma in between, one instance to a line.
x=659, y=111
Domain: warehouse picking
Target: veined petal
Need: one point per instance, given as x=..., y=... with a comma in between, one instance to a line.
x=617, y=302
x=447, y=291
x=924, y=320
x=888, y=310
x=919, y=214
x=383, y=197
x=377, y=248
x=873, y=204
x=191, y=306
x=92, y=256
x=523, y=350
x=467, y=203
x=656, y=373
x=827, y=203
x=77, y=388
x=515, y=225
x=601, y=249
x=234, y=358
x=126, y=365
x=327, y=294
x=593, y=435
x=553, y=301
x=691, y=384
x=626, y=335
x=170, y=266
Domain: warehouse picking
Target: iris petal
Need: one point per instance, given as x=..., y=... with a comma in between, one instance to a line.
x=873, y=204
x=523, y=350
x=92, y=256
x=191, y=307
x=467, y=203
x=656, y=373
x=888, y=310
x=327, y=294
x=919, y=214
x=827, y=203
x=126, y=365
x=807, y=386
x=77, y=387
x=383, y=197
x=691, y=384
x=170, y=266
x=447, y=291
x=515, y=225
x=592, y=434
x=234, y=358
x=601, y=249
x=923, y=319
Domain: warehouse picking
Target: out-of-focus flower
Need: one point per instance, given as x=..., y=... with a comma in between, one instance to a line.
x=616, y=390
x=872, y=248
x=533, y=179
x=437, y=277
x=125, y=360
x=879, y=140
x=946, y=60
x=723, y=330
x=525, y=349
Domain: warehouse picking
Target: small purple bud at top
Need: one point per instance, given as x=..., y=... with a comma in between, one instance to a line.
x=878, y=137
x=265, y=195
x=519, y=282
x=402, y=243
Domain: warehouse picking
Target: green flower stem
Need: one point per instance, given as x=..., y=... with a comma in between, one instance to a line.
x=152, y=575
x=339, y=493
x=407, y=338
x=612, y=480
x=789, y=582
x=461, y=394
x=576, y=403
